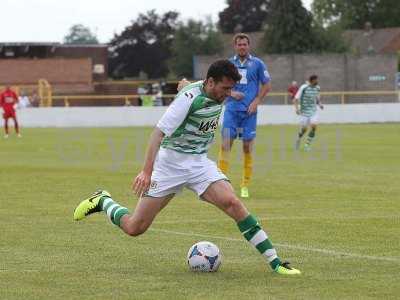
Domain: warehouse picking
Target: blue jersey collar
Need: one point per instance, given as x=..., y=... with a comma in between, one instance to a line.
x=236, y=58
x=249, y=57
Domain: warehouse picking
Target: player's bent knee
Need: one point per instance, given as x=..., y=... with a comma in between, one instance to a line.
x=136, y=228
x=235, y=208
x=135, y=231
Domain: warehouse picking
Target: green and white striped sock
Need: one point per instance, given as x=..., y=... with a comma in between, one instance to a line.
x=310, y=136
x=113, y=210
x=253, y=233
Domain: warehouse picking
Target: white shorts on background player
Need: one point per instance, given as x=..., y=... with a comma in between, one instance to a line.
x=305, y=121
x=173, y=171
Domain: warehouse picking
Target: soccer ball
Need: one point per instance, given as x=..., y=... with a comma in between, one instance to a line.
x=204, y=257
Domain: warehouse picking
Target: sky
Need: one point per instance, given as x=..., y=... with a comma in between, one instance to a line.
x=50, y=20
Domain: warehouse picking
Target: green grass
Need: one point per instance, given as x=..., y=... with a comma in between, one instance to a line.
x=333, y=212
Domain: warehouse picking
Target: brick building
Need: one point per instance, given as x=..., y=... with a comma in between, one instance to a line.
x=66, y=67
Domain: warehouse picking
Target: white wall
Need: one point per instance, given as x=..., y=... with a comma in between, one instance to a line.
x=148, y=116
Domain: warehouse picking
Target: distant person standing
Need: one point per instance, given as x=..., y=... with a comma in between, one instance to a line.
x=292, y=90
x=8, y=100
x=305, y=102
x=240, y=116
x=24, y=101
x=157, y=95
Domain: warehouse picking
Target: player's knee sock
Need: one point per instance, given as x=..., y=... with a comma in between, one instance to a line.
x=113, y=210
x=253, y=233
x=6, y=127
x=223, y=161
x=16, y=126
x=311, y=136
x=247, y=169
x=301, y=133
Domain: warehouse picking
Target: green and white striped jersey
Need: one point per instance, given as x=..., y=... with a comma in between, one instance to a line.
x=308, y=96
x=190, y=122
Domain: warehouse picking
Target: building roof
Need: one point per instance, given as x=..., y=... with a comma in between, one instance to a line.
x=384, y=40
x=49, y=44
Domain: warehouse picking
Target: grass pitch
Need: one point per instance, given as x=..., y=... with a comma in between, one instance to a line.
x=333, y=212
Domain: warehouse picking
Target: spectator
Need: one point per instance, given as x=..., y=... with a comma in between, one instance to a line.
x=157, y=95
x=24, y=101
x=292, y=90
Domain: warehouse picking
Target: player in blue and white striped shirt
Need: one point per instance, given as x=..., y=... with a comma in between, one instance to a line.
x=305, y=102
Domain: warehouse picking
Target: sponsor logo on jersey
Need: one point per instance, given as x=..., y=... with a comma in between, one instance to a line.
x=208, y=126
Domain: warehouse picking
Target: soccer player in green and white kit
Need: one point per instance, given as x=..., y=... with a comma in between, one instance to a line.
x=177, y=157
x=306, y=100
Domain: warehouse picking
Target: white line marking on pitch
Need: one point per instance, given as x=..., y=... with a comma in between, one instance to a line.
x=310, y=249
x=281, y=218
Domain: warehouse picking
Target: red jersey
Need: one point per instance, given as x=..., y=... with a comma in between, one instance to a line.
x=292, y=90
x=8, y=99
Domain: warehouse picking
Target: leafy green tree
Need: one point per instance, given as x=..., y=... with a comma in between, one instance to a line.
x=244, y=15
x=289, y=28
x=79, y=34
x=193, y=38
x=144, y=46
x=329, y=39
x=354, y=14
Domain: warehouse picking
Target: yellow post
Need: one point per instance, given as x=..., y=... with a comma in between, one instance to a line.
x=127, y=102
x=49, y=95
x=342, y=100
x=40, y=93
x=66, y=103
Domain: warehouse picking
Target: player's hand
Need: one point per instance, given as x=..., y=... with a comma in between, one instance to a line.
x=182, y=83
x=252, y=107
x=141, y=183
x=237, y=95
x=297, y=111
x=321, y=106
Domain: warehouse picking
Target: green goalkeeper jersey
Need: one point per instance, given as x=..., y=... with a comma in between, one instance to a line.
x=190, y=122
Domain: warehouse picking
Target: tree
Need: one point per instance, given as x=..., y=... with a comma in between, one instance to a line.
x=244, y=15
x=193, y=38
x=289, y=28
x=354, y=14
x=80, y=34
x=144, y=46
x=329, y=39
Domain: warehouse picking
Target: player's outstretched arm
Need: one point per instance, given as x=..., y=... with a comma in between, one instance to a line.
x=296, y=105
x=142, y=180
x=264, y=90
x=321, y=106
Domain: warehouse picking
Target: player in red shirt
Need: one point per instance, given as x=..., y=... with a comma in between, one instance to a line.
x=8, y=99
x=292, y=90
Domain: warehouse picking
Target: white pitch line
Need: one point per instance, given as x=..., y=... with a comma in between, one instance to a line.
x=180, y=221
x=303, y=248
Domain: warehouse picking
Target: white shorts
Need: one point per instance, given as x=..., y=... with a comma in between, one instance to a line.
x=173, y=170
x=305, y=121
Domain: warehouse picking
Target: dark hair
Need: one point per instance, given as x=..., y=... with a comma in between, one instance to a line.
x=240, y=36
x=223, y=68
x=312, y=77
